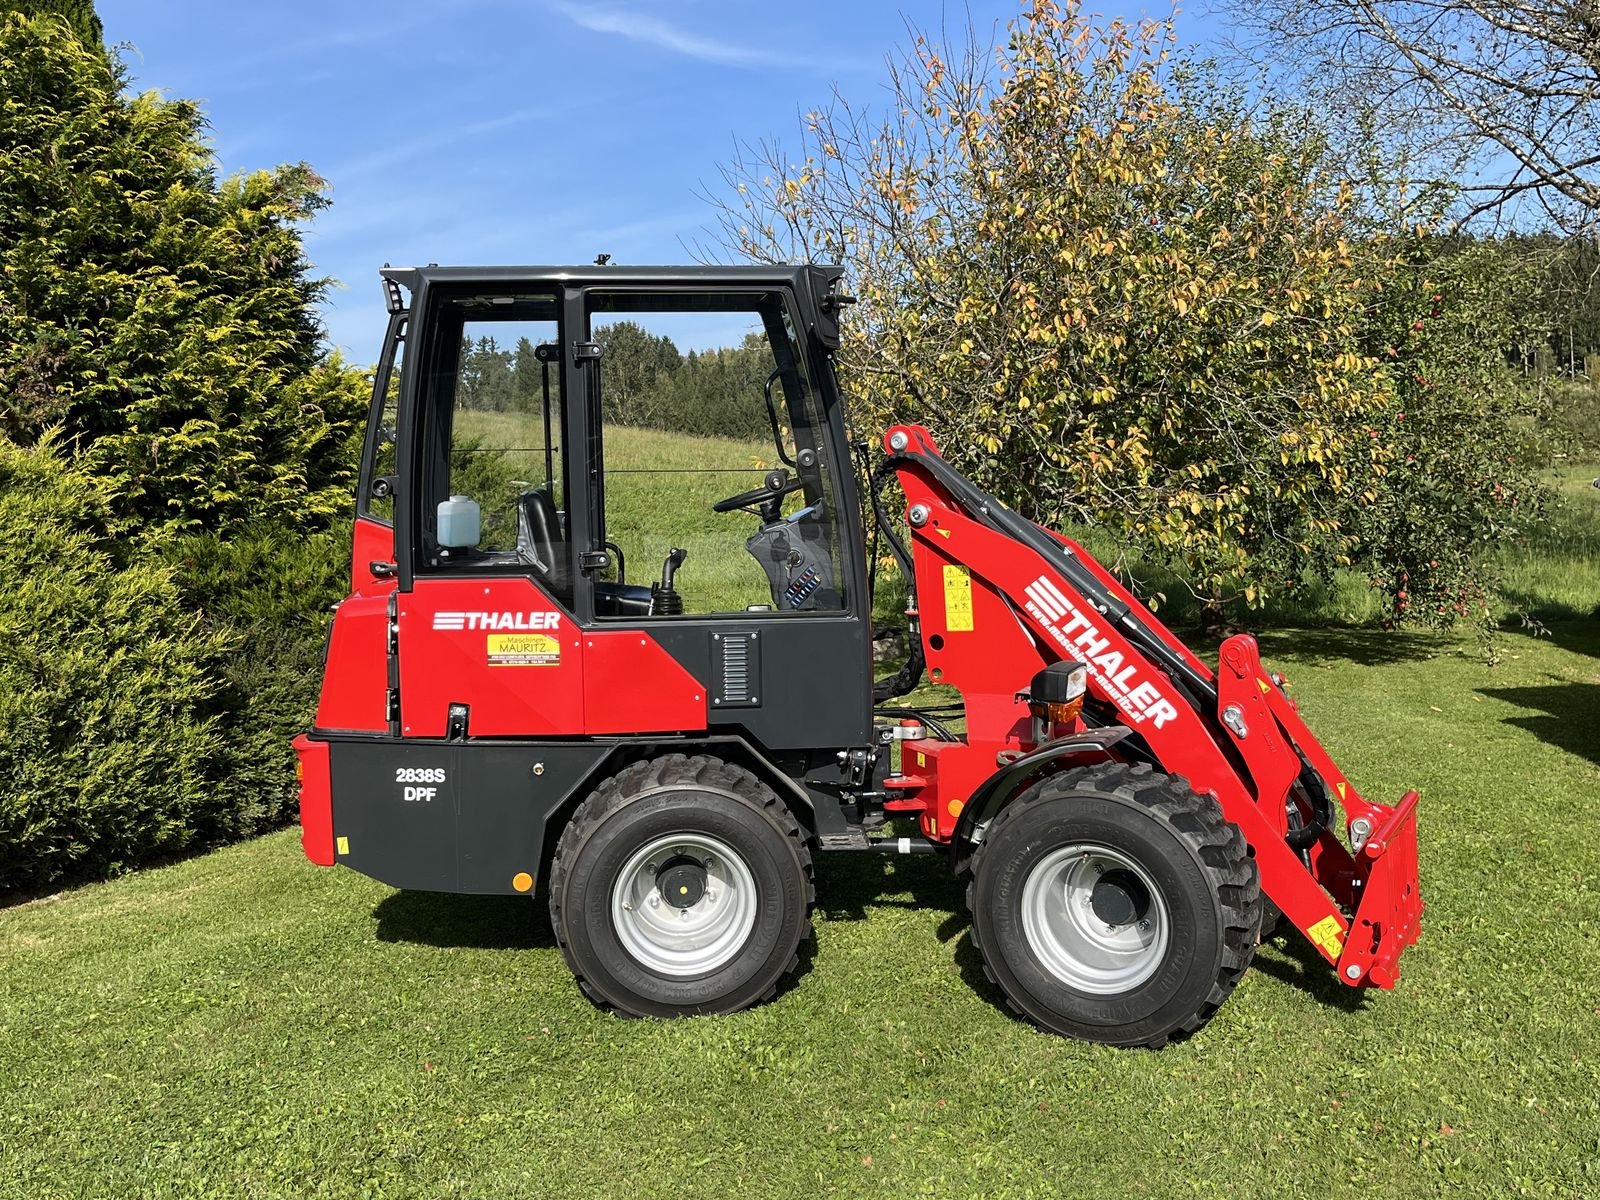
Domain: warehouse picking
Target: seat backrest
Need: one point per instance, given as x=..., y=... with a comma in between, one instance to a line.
x=540, y=539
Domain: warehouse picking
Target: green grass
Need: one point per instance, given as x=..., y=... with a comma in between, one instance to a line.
x=245, y=1024
x=1555, y=574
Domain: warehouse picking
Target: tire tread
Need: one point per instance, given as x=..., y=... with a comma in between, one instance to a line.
x=649, y=775
x=1220, y=847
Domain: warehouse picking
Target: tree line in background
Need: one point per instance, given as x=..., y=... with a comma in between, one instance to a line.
x=646, y=381
x=1127, y=291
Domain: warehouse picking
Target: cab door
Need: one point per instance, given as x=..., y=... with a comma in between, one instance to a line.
x=488, y=642
x=693, y=396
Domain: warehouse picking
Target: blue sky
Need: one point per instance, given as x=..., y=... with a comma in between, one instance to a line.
x=470, y=131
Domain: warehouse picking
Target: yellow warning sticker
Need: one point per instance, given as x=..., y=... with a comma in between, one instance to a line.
x=1343, y=788
x=1264, y=686
x=1325, y=934
x=524, y=650
x=957, y=599
x=344, y=845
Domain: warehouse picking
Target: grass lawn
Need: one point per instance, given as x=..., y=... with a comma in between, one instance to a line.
x=246, y=1025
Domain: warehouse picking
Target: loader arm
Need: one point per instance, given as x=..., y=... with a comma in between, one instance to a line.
x=1233, y=733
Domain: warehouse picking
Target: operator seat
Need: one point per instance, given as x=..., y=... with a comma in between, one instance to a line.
x=540, y=540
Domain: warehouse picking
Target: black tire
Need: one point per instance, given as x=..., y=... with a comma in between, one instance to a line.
x=1202, y=873
x=665, y=798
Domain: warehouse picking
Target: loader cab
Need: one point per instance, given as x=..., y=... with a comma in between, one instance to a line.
x=608, y=449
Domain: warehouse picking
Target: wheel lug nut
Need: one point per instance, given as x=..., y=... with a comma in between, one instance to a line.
x=627, y=906
x=711, y=897
x=1144, y=926
x=655, y=901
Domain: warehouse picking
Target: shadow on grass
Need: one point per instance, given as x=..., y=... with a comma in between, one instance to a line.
x=1565, y=714
x=1579, y=635
x=449, y=921
x=848, y=884
x=465, y=922
x=1362, y=646
x=1548, y=610
x=1289, y=958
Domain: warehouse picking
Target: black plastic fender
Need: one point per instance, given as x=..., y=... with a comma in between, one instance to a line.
x=1005, y=783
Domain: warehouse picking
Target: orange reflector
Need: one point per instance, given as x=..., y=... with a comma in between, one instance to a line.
x=1057, y=714
x=522, y=881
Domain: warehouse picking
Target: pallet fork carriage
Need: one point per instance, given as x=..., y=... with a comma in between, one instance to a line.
x=497, y=715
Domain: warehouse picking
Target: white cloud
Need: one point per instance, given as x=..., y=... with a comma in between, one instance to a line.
x=652, y=31
x=380, y=160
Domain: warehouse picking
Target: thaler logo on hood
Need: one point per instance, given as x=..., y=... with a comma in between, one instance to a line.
x=1139, y=699
x=497, y=620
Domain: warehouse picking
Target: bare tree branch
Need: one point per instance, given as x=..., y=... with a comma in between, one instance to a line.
x=1502, y=96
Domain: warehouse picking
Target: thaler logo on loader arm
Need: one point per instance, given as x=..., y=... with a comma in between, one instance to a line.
x=1139, y=699
x=496, y=620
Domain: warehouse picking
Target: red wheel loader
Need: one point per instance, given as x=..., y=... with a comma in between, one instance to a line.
x=505, y=710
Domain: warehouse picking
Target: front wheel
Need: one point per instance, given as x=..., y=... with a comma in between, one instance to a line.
x=681, y=886
x=1113, y=904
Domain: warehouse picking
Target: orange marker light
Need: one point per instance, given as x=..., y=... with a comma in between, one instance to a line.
x=522, y=881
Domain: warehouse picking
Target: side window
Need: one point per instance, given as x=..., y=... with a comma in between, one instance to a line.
x=711, y=441
x=377, y=493
x=495, y=496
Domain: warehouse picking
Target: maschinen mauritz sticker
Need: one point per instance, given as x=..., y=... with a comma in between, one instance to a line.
x=524, y=650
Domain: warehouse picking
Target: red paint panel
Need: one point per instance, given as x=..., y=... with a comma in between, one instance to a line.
x=499, y=645
x=632, y=685
x=316, y=800
x=372, y=541
x=355, y=679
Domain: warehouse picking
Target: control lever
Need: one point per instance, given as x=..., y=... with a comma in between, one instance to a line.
x=664, y=598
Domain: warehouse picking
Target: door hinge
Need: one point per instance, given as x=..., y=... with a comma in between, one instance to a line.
x=584, y=351
x=594, y=560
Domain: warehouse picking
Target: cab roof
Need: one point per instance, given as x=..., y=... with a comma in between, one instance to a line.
x=775, y=275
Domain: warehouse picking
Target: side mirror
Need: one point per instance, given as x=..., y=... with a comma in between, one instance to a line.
x=460, y=523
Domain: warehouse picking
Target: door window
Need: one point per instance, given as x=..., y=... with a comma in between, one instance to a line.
x=708, y=437
x=494, y=406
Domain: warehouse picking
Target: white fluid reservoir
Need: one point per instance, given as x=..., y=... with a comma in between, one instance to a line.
x=459, y=522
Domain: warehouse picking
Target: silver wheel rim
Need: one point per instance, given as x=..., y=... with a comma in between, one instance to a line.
x=684, y=941
x=1077, y=946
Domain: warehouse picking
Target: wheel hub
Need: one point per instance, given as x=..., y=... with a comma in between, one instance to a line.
x=1119, y=897
x=681, y=882
x=1094, y=918
x=684, y=905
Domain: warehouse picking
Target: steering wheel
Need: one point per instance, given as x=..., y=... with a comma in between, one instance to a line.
x=774, y=488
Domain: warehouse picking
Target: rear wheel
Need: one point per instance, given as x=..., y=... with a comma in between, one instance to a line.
x=1114, y=904
x=681, y=885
